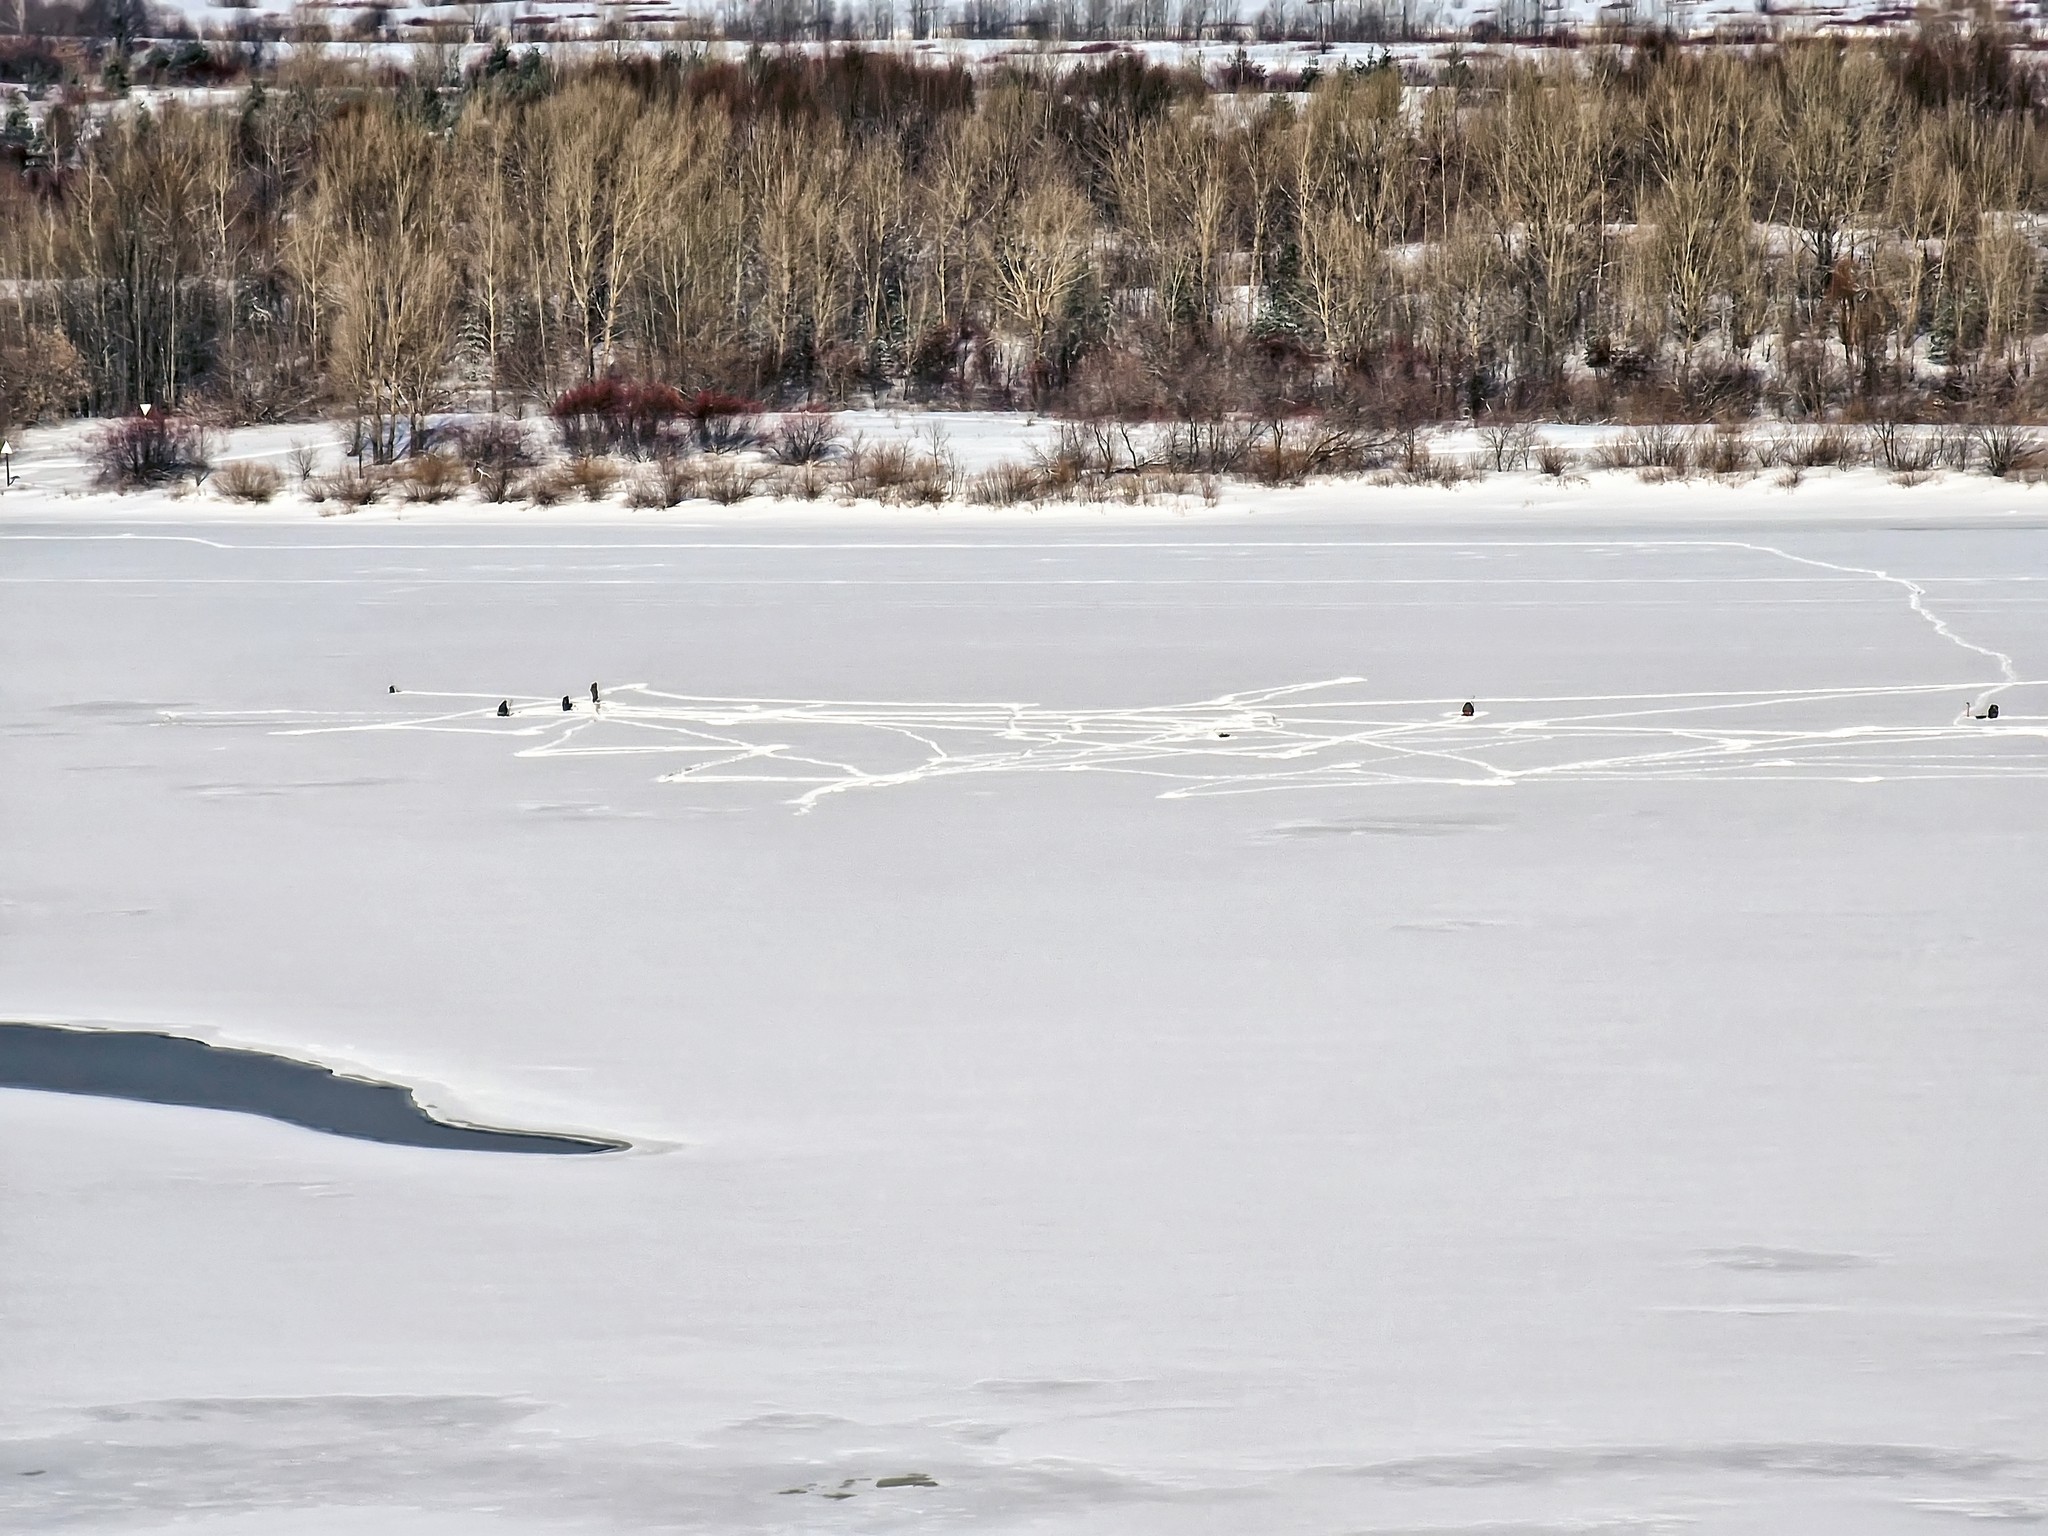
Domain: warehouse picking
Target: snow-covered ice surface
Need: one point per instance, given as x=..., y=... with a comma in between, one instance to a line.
x=1098, y=1028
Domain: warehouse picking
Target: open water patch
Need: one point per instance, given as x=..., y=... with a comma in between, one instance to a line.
x=150, y=1068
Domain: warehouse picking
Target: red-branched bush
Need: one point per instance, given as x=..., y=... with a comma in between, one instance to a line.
x=616, y=416
x=149, y=450
x=724, y=422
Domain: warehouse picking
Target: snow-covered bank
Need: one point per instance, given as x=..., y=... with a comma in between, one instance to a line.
x=1182, y=1075
x=56, y=482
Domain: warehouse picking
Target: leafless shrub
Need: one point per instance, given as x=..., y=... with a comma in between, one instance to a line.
x=430, y=478
x=1792, y=478
x=1554, y=460
x=1509, y=444
x=681, y=479
x=1657, y=446
x=804, y=483
x=2006, y=450
x=1071, y=457
x=1279, y=462
x=1954, y=448
x=930, y=482
x=805, y=437
x=1826, y=447
x=611, y=415
x=732, y=480
x=879, y=469
x=1904, y=450
x=1111, y=446
x=1207, y=447
x=1004, y=484
x=350, y=489
x=1091, y=490
x=1422, y=465
x=897, y=472
x=1289, y=451
x=495, y=443
x=495, y=450
x=724, y=423
x=644, y=492
x=1448, y=470
x=667, y=483
x=143, y=451
x=303, y=462
x=592, y=479
x=248, y=480
x=1891, y=444
x=549, y=487
x=1727, y=451
x=1663, y=447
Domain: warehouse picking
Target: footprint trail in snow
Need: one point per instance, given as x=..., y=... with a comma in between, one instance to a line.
x=1333, y=734
x=1328, y=735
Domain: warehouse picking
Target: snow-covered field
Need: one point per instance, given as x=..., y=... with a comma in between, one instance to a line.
x=1099, y=1029
x=1698, y=18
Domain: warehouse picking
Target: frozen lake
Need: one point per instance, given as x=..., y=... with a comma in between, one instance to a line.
x=1097, y=1028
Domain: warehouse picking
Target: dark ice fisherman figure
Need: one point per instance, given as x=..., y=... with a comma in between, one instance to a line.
x=504, y=709
x=1467, y=710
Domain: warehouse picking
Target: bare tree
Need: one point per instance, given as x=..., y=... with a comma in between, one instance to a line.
x=1703, y=138
x=1353, y=152
x=1039, y=257
x=695, y=269
x=1551, y=149
x=389, y=281
x=1838, y=109
x=872, y=231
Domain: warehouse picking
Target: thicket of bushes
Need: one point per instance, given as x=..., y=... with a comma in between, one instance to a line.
x=1810, y=230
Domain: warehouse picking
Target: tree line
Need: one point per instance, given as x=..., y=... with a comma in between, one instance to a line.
x=1662, y=232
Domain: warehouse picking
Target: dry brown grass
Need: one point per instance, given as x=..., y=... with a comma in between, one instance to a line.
x=668, y=483
x=248, y=480
x=1421, y=465
x=349, y=489
x=430, y=479
x=731, y=481
x=591, y=478
x=548, y=487
x=1657, y=446
x=897, y=473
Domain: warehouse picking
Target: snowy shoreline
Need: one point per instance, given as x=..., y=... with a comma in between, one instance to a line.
x=54, y=484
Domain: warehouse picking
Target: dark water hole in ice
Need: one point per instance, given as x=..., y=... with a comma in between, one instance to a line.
x=170, y=1069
